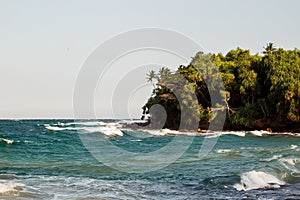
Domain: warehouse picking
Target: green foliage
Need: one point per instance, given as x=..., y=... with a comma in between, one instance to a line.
x=256, y=87
x=283, y=77
x=244, y=116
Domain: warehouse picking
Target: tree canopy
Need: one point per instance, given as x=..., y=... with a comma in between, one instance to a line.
x=259, y=91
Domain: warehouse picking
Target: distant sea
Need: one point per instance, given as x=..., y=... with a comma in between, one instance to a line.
x=46, y=159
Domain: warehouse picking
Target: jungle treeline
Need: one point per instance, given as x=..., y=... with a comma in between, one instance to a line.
x=256, y=91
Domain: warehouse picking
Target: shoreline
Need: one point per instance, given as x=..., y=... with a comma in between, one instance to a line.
x=204, y=132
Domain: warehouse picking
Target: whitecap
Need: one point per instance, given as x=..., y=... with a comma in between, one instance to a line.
x=275, y=157
x=55, y=128
x=259, y=133
x=292, y=165
x=133, y=121
x=8, y=187
x=162, y=132
x=108, y=131
x=60, y=124
x=214, y=134
x=290, y=161
x=137, y=140
x=257, y=179
x=293, y=147
x=101, y=123
x=7, y=141
x=165, y=132
x=237, y=133
x=224, y=150
x=88, y=123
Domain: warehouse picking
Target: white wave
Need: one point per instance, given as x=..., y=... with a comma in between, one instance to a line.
x=166, y=132
x=257, y=179
x=133, y=121
x=172, y=132
x=259, y=133
x=290, y=161
x=161, y=132
x=113, y=124
x=88, y=123
x=224, y=150
x=293, y=147
x=8, y=187
x=237, y=133
x=214, y=134
x=82, y=188
x=209, y=134
x=279, y=133
x=108, y=131
x=81, y=123
x=55, y=128
x=101, y=123
x=137, y=140
x=112, y=132
x=60, y=124
x=292, y=165
x=275, y=157
x=293, y=134
x=52, y=128
x=7, y=141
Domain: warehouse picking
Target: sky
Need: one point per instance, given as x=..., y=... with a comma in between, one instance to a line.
x=43, y=44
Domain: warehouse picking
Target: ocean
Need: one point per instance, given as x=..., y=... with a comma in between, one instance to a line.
x=53, y=159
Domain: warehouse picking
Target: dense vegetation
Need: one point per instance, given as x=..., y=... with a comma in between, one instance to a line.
x=257, y=91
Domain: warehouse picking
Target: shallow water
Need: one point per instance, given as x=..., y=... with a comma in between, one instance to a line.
x=38, y=162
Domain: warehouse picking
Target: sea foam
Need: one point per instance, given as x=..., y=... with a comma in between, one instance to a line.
x=257, y=179
x=290, y=161
x=236, y=133
x=8, y=187
x=275, y=157
x=224, y=150
x=108, y=129
x=7, y=141
x=293, y=147
x=55, y=128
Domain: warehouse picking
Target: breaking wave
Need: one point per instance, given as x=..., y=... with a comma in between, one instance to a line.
x=108, y=129
x=257, y=179
x=8, y=188
x=6, y=141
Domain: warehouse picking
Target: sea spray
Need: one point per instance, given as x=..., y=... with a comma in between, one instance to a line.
x=257, y=179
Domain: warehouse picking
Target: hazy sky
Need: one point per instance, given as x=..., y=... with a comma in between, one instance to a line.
x=44, y=43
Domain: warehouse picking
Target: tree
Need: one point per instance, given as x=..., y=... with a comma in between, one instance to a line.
x=260, y=91
x=151, y=76
x=269, y=49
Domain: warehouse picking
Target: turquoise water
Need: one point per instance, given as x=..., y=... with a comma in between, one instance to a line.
x=38, y=162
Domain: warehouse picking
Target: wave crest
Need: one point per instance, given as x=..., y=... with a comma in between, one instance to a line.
x=7, y=141
x=10, y=187
x=257, y=179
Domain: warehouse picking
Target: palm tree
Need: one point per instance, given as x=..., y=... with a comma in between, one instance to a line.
x=164, y=73
x=151, y=76
x=269, y=49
